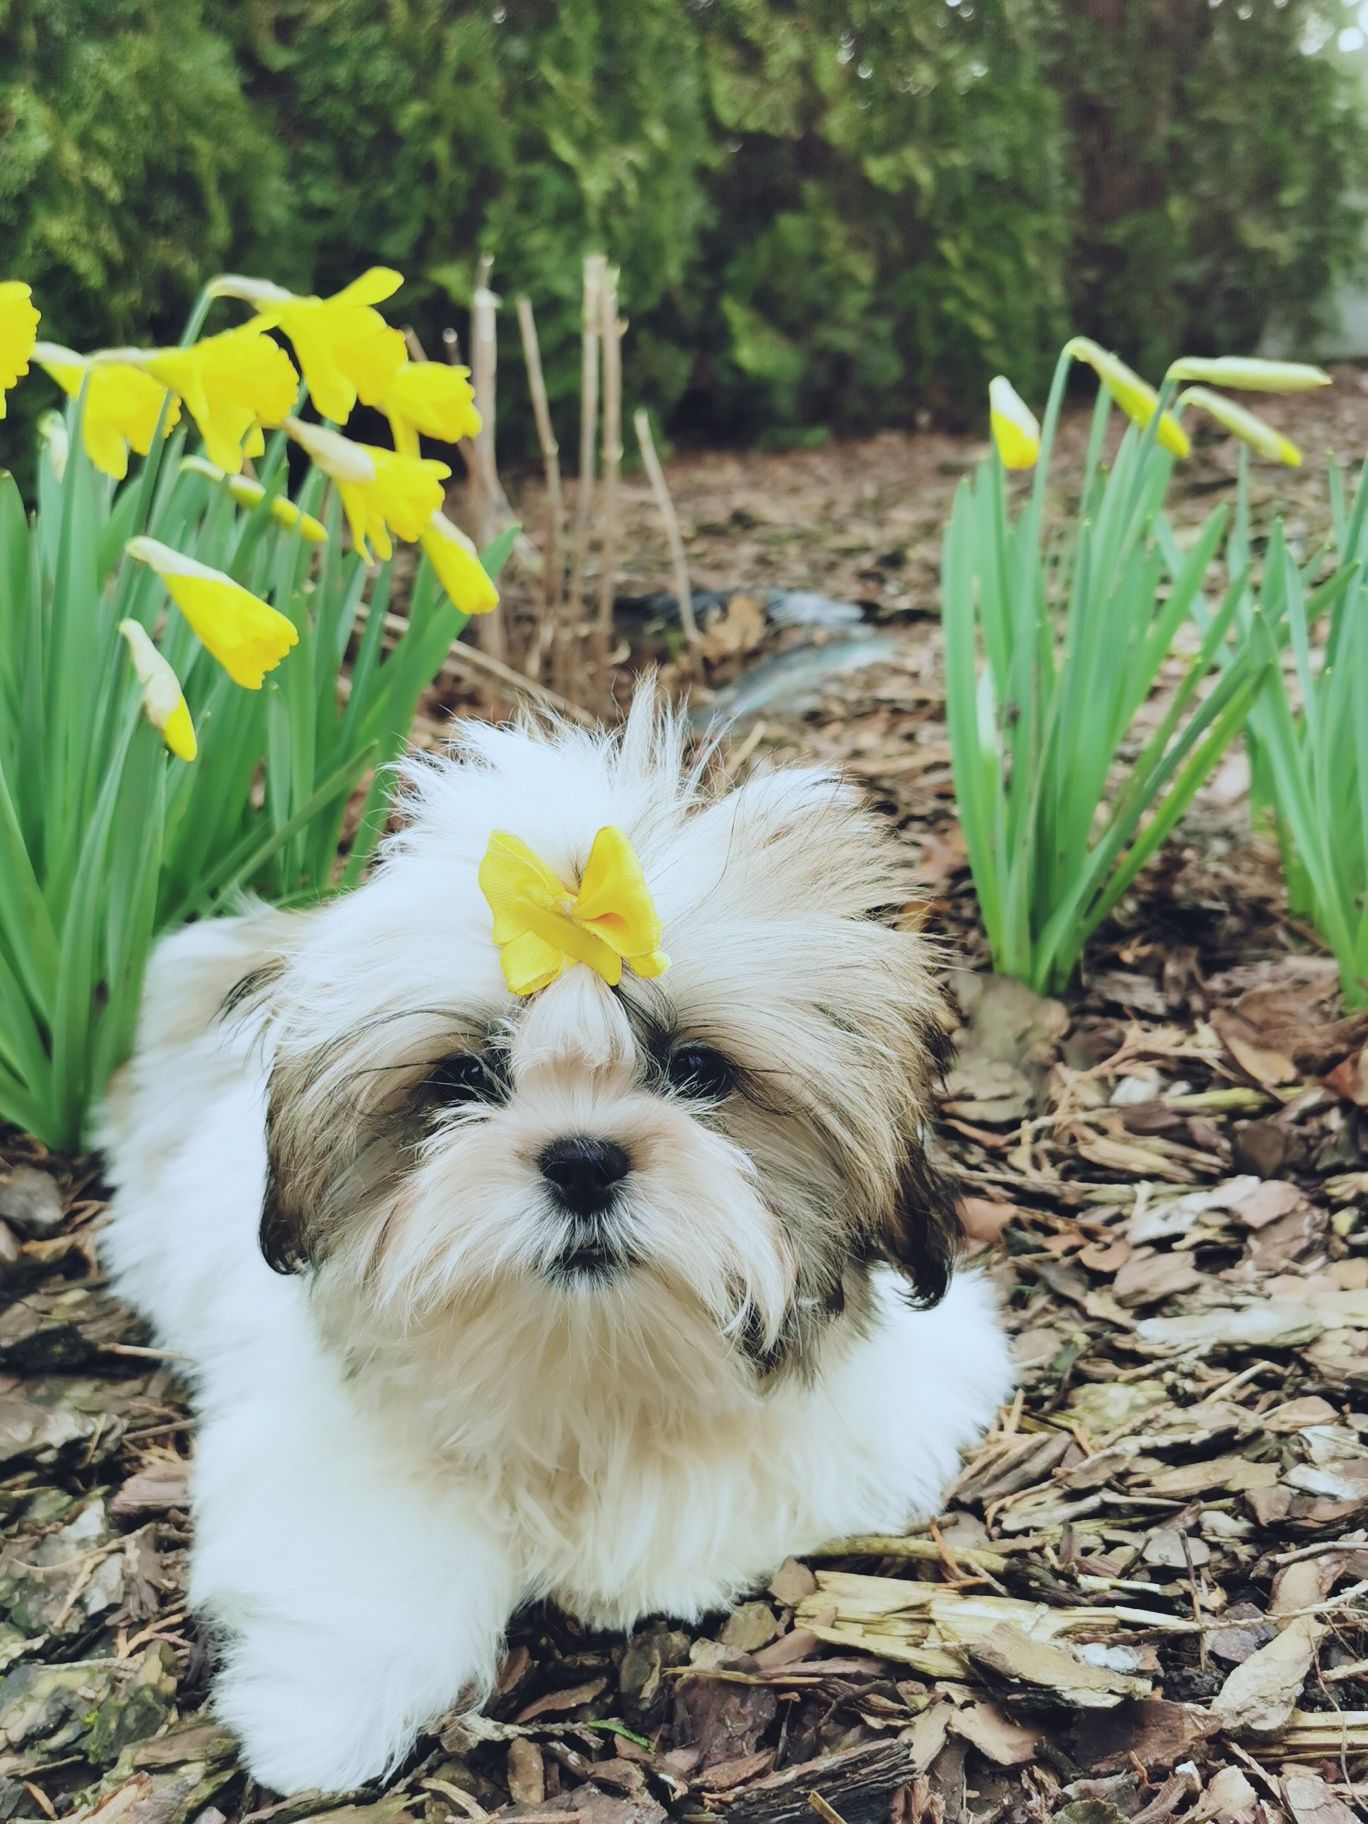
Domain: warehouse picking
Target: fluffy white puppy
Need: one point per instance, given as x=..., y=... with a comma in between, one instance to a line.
x=609, y=1295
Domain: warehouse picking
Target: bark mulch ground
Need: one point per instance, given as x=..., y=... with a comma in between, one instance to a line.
x=1145, y=1599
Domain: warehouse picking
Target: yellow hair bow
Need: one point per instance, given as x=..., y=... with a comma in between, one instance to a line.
x=542, y=926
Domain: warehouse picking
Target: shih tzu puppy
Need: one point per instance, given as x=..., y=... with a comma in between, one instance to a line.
x=553, y=1216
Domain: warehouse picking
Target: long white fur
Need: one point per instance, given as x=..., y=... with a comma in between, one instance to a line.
x=399, y=1447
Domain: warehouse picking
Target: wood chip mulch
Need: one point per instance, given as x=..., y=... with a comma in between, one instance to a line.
x=1145, y=1600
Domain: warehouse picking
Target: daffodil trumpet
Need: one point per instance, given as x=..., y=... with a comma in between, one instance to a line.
x=122, y=408
x=245, y=634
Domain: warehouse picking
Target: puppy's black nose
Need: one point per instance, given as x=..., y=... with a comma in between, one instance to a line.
x=584, y=1173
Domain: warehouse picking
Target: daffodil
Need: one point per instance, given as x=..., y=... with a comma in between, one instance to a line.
x=18, y=332
x=1016, y=431
x=249, y=493
x=457, y=563
x=382, y=492
x=246, y=635
x=122, y=405
x=164, y=703
x=431, y=398
x=1136, y=397
x=231, y=384
x=1248, y=374
x=1246, y=425
x=344, y=347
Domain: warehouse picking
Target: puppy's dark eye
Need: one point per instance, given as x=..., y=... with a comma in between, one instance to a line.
x=698, y=1070
x=464, y=1077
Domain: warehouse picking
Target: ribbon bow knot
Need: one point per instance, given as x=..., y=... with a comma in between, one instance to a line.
x=542, y=926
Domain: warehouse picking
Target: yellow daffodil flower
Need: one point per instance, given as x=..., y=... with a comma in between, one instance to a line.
x=453, y=556
x=1015, y=428
x=231, y=384
x=382, y=491
x=1136, y=397
x=344, y=347
x=1248, y=374
x=18, y=332
x=1252, y=429
x=249, y=493
x=122, y=405
x=542, y=926
x=246, y=635
x=431, y=398
x=164, y=704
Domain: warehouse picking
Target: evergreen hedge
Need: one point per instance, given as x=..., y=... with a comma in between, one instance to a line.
x=828, y=213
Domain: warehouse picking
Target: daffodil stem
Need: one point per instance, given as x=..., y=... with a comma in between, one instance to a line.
x=147, y=481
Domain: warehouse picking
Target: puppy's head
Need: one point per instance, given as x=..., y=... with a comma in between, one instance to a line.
x=744, y=1135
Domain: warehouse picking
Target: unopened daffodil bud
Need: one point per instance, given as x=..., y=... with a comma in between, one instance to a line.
x=1246, y=425
x=246, y=635
x=1248, y=374
x=1136, y=397
x=1015, y=428
x=249, y=493
x=163, y=701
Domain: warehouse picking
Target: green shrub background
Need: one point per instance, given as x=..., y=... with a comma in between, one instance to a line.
x=828, y=215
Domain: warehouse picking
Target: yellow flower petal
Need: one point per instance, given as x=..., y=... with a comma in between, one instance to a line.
x=231, y=383
x=1247, y=373
x=1246, y=425
x=1136, y=397
x=18, y=332
x=246, y=635
x=122, y=405
x=1016, y=432
x=540, y=926
x=249, y=493
x=164, y=704
x=457, y=563
x=431, y=398
x=344, y=347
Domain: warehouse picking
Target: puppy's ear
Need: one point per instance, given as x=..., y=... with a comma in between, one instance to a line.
x=921, y=1232
x=286, y=1236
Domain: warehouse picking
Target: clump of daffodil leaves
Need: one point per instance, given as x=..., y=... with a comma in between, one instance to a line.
x=174, y=724
x=1057, y=627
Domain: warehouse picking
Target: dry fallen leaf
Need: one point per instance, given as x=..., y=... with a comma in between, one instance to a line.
x=1261, y=1693
x=1311, y=1801
x=1051, y=1671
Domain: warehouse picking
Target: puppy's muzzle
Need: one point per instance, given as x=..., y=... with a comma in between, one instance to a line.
x=584, y=1176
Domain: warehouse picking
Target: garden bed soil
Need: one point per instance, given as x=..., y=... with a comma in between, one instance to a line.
x=1145, y=1597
